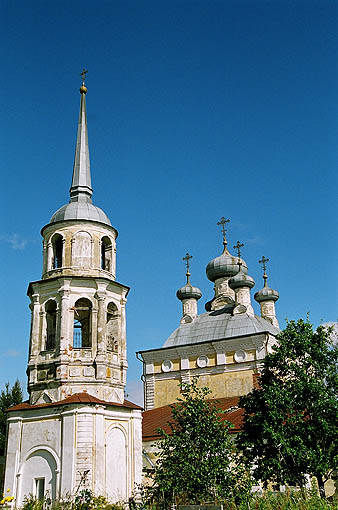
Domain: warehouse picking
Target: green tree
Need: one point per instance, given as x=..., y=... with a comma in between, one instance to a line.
x=8, y=398
x=196, y=461
x=290, y=424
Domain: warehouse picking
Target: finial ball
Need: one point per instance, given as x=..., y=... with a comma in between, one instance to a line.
x=83, y=89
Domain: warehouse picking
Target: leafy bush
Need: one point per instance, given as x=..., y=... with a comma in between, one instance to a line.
x=84, y=500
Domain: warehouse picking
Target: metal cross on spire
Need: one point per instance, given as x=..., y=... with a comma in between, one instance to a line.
x=83, y=74
x=263, y=261
x=187, y=263
x=223, y=222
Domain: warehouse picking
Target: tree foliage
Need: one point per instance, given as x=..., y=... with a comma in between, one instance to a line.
x=196, y=461
x=291, y=421
x=8, y=397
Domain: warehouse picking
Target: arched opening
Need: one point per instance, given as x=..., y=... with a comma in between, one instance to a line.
x=57, y=243
x=39, y=476
x=82, y=324
x=112, y=328
x=51, y=325
x=106, y=254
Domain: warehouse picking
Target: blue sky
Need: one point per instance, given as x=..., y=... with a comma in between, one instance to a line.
x=196, y=109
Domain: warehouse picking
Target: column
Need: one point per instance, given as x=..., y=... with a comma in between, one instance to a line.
x=35, y=307
x=64, y=328
x=101, y=323
x=101, y=359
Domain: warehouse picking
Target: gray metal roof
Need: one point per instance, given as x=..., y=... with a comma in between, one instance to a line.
x=80, y=211
x=80, y=206
x=217, y=325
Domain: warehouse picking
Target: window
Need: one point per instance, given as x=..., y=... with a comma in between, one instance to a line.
x=51, y=324
x=57, y=244
x=82, y=323
x=112, y=328
x=39, y=488
x=106, y=254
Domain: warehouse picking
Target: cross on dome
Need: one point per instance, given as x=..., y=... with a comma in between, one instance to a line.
x=263, y=261
x=223, y=222
x=186, y=260
x=238, y=247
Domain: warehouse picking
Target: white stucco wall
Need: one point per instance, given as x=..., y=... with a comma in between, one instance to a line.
x=58, y=444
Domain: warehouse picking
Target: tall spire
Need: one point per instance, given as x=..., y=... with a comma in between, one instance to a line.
x=81, y=190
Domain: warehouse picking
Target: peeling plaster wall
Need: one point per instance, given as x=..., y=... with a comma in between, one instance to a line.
x=59, y=444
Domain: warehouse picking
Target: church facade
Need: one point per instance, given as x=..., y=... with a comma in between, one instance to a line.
x=77, y=430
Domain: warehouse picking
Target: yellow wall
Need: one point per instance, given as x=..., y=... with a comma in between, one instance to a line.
x=230, y=384
x=166, y=391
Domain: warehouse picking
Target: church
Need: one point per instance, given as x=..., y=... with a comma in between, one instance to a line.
x=77, y=430
x=224, y=348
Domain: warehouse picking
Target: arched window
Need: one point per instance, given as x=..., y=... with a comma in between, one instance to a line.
x=106, y=254
x=57, y=243
x=82, y=323
x=112, y=328
x=51, y=324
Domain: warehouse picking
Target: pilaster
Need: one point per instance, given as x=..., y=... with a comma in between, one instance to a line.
x=35, y=301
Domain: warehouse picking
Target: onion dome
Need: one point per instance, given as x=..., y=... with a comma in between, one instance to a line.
x=226, y=265
x=188, y=291
x=265, y=294
x=241, y=280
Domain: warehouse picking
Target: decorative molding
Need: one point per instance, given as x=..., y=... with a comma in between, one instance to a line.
x=240, y=356
x=202, y=361
x=167, y=365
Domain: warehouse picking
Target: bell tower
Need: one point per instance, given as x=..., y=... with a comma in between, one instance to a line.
x=78, y=324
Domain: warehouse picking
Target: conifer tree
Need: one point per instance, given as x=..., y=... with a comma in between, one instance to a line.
x=8, y=397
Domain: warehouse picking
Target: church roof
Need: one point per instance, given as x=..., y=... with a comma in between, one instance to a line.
x=77, y=398
x=80, y=206
x=80, y=211
x=218, y=325
x=159, y=418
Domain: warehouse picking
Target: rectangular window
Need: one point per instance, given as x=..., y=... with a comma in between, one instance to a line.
x=39, y=488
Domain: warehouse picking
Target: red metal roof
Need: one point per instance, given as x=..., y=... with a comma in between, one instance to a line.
x=159, y=417
x=77, y=398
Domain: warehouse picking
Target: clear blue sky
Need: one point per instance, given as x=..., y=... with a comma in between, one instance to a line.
x=196, y=109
